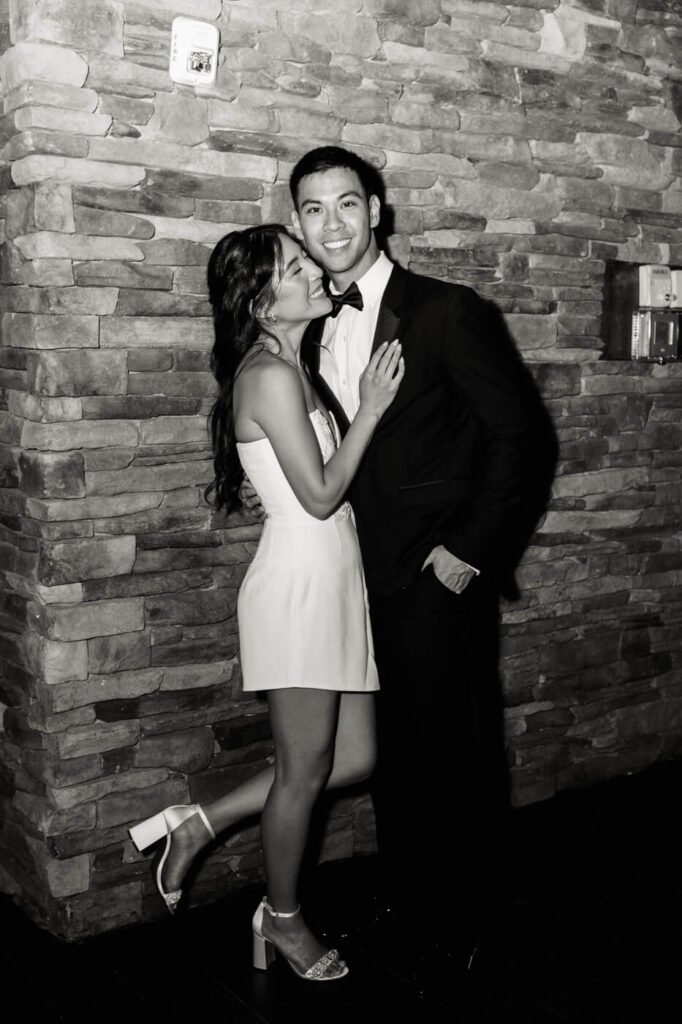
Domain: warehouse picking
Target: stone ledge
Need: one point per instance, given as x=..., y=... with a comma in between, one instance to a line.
x=39, y=167
x=27, y=61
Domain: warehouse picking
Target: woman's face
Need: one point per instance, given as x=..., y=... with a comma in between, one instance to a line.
x=300, y=294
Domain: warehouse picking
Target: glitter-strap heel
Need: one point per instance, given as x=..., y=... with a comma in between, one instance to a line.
x=264, y=950
x=164, y=824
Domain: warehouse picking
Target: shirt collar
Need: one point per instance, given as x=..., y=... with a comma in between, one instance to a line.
x=373, y=282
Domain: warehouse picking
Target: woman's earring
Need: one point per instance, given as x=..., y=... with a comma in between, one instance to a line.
x=271, y=318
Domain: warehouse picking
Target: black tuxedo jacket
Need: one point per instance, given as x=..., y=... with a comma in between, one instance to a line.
x=451, y=459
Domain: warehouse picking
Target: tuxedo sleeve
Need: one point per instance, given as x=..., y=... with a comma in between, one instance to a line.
x=486, y=373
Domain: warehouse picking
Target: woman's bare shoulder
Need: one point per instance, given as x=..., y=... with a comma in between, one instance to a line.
x=264, y=366
x=266, y=374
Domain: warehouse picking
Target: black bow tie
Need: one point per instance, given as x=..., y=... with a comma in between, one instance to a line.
x=351, y=297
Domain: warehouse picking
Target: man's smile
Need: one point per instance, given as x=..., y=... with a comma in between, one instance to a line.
x=340, y=243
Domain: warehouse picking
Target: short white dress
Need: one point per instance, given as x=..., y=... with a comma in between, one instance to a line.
x=302, y=608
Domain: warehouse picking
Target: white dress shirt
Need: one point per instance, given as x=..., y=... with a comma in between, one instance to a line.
x=347, y=339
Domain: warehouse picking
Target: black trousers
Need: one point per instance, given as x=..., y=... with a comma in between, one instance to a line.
x=440, y=790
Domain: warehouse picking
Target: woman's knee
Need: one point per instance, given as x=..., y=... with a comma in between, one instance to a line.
x=305, y=775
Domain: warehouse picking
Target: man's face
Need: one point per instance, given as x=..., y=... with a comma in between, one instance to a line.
x=336, y=221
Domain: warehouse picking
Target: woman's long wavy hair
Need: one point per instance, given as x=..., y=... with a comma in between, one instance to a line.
x=241, y=276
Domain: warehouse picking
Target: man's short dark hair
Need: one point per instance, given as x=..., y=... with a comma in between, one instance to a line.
x=327, y=158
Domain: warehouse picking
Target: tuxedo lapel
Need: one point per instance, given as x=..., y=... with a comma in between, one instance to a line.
x=391, y=309
x=310, y=346
x=311, y=358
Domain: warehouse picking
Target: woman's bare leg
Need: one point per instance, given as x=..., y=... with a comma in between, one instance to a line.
x=354, y=759
x=305, y=726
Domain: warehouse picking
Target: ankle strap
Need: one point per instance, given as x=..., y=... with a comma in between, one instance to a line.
x=276, y=913
x=207, y=823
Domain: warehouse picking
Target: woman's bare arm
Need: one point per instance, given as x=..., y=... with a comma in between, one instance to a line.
x=271, y=397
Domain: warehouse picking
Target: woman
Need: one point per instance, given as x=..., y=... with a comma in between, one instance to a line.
x=302, y=610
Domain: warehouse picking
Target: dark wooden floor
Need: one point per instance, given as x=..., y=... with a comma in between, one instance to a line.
x=591, y=935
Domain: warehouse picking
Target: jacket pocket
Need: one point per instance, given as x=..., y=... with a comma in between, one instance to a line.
x=434, y=491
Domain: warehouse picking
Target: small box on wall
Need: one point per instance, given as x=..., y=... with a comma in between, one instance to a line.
x=194, y=52
x=655, y=286
x=655, y=335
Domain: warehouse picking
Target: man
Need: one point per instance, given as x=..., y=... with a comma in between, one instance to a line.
x=444, y=502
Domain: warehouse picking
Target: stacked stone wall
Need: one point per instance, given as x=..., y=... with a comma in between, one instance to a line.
x=592, y=653
x=522, y=145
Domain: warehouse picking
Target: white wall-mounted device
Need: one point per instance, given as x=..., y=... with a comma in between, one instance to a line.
x=655, y=286
x=194, y=52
